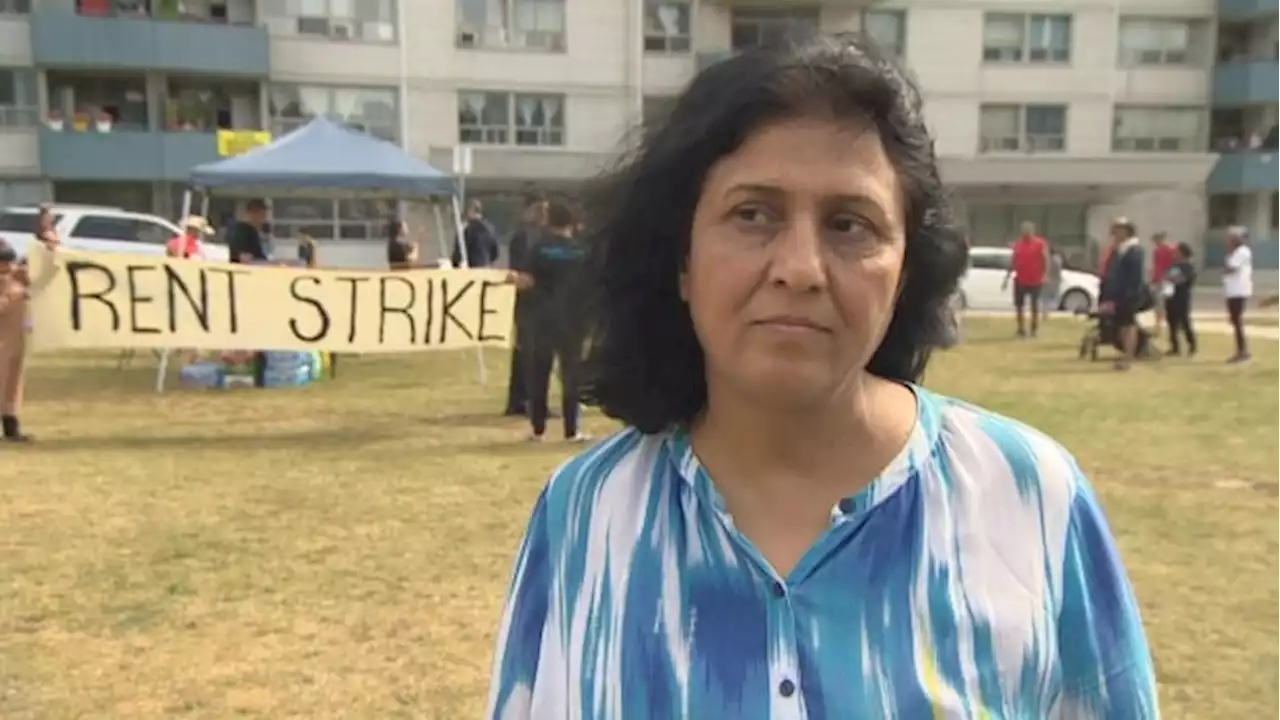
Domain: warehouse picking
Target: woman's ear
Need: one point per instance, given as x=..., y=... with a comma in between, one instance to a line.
x=684, y=285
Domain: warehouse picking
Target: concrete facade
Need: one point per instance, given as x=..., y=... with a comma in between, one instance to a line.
x=601, y=70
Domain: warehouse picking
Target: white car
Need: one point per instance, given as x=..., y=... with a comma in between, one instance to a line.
x=980, y=288
x=93, y=228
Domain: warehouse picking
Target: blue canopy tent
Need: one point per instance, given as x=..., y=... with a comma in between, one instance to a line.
x=326, y=159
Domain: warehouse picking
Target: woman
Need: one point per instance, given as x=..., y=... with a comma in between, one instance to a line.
x=402, y=253
x=791, y=526
x=1178, y=284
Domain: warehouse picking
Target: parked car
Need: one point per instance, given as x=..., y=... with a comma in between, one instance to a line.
x=93, y=228
x=980, y=288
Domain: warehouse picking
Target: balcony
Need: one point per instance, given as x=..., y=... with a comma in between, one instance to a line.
x=134, y=155
x=1243, y=172
x=1245, y=9
x=65, y=39
x=1245, y=82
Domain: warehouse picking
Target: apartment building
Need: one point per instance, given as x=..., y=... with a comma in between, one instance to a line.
x=1065, y=113
x=1242, y=185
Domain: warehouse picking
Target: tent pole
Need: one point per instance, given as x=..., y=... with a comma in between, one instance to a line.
x=163, y=370
x=440, y=230
x=466, y=263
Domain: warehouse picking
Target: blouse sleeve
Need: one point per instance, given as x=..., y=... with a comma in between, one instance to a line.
x=1106, y=664
x=515, y=661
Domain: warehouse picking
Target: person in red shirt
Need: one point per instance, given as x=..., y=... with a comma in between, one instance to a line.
x=188, y=245
x=1028, y=268
x=1163, y=257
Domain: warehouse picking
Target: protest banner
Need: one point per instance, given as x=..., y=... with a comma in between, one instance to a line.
x=97, y=300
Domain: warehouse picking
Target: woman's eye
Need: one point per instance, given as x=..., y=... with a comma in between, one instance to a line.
x=751, y=215
x=849, y=224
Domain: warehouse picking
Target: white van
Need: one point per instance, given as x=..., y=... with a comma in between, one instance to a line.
x=93, y=228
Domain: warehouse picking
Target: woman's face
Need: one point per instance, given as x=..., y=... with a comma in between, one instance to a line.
x=795, y=260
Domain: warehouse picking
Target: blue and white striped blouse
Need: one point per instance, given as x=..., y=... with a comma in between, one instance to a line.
x=975, y=578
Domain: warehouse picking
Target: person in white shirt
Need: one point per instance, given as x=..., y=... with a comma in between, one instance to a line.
x=1237, y=287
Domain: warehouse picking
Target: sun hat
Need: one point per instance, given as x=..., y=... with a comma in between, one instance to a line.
x=198, y=223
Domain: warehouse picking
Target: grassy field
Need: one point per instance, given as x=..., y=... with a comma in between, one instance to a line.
x=342, y=551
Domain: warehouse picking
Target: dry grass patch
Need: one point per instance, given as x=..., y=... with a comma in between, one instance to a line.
x=342, y=551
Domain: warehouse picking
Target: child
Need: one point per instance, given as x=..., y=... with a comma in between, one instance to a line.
x=14, y=287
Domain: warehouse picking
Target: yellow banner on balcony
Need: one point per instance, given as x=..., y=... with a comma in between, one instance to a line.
x=239, y=142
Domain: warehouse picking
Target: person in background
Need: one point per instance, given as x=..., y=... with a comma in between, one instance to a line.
x=1179, y=281
x=46, y=233
x=1051, y=295
x=1122, y=288
x=553, y=331
x=245, y=241
x=307, y=250
x=1028, y=267
x=481, y=240
x=1163, y=255
x=1237, y=287
x=190, y=244
x=402, y=253
x=16, y=289
x=522, y=243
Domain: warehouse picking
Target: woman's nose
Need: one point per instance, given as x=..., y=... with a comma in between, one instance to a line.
x=797, y=262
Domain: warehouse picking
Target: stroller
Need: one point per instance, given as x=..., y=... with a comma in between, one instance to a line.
x=1102, y=332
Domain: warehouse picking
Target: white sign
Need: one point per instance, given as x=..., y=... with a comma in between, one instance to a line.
x=462, y=160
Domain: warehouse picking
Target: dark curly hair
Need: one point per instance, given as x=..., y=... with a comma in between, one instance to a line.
x=645, y=366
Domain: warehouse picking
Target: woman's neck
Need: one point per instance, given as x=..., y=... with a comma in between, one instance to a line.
x=834, y=449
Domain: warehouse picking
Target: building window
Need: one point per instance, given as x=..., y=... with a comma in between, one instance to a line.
x=18, y=103
x=1152, y=41
x=498, y=118
x=84, y=102
x=888, y=28
x=193, y=104
x=755, y=28
x=1158, y=129
x=371, y=110
x=1010, y=38
x=1223, y=210
x=1023, y=128
x=667, y=26
x=330, y=219
x=518, y=24
x=1063, y=224
x=353, y=20
x=15, y=7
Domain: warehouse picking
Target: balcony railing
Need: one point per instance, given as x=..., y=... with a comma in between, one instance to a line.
x=124, y=155
x=1245, y=82
x=66, y=39
x=1245, y=9
x=1244, y=172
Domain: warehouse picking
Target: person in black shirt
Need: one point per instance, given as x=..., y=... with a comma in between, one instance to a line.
x=554, y=328
x=1178, y=283
x=480, y=238
x=535, y=209
x=1125, y=291
x=244, y=238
